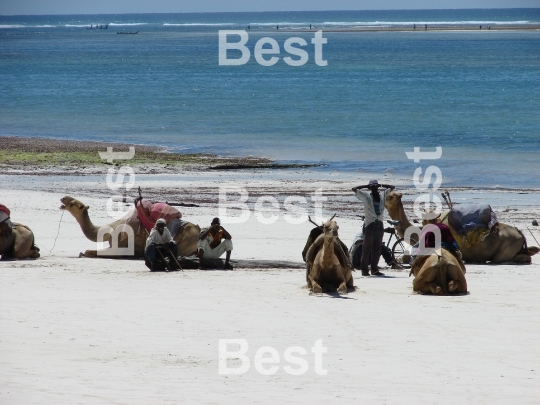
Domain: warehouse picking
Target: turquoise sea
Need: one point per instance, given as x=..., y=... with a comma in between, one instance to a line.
x=476, y=93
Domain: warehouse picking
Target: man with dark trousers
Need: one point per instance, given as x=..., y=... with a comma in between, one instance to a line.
x=373, y=201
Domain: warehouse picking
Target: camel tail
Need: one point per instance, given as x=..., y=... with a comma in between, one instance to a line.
x=443, y=268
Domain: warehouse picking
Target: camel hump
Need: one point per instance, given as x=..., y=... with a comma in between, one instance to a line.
x=314, y=248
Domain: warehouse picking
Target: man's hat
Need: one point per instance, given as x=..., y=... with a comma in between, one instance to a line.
x=373, y=183
x=430, y=215
x=4, y=216
x=161, y=221
x=216, y=221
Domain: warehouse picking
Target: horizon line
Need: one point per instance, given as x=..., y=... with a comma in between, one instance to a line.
x=282, y=11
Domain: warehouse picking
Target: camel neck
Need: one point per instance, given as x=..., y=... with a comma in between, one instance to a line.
x=88, y=228
x=328, y=251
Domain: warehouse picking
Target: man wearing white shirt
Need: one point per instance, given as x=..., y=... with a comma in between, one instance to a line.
x=160, y=237
x=373, y=202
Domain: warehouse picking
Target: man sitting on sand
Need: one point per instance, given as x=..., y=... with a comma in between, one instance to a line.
x=213, y=242
x=373, y=202
x=160, y=238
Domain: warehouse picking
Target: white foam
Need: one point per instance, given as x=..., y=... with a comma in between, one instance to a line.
x=278, y=23
x=198, y=24
x=379, y=23
x=120, y=24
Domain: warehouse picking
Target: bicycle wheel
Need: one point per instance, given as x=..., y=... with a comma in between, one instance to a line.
x=398, y=250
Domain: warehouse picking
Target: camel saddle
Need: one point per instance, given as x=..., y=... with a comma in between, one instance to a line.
x=149, y=213
x=471, y=216
x=472, y=223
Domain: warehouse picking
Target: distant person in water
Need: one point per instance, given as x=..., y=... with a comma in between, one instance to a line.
x=309, y=26
x=373, y=202
x=425, y=26
x=249, y=27
x=277, y=27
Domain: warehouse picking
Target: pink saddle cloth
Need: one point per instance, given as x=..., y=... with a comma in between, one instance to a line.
x=149, y=213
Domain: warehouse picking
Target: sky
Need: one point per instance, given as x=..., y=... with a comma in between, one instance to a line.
x=23, y=7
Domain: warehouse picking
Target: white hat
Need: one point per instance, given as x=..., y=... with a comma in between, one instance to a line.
x=161, y=221
x=430, y=215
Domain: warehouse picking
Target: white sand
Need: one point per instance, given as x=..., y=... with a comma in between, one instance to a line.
x=104, y=331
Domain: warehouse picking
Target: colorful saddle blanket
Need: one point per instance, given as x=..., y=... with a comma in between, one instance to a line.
x=471, y=224
x=149, y=213
x=468, y=217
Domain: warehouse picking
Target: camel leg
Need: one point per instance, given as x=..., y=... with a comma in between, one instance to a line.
x=89, y=253
x=522, y=258
x=308, y=271
x=455, y=286
x=22, y=248
x=315, y=287
x=342, y=274
x=342, y=289
x=423, y=286
x=350, y=282
x=429, y=288
x=457, y=283
x=314, y=277
x=34, y=253
x=103, y=254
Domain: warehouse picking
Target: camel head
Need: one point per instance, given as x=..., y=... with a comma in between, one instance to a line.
x=330, y=228
x=74, y=206
x=393, y=204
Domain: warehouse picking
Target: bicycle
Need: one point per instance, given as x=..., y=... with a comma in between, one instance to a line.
x=398, y=249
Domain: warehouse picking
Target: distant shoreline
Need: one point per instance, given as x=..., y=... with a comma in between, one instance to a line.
x=49, y=156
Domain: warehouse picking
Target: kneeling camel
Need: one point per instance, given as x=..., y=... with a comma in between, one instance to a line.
x=438, y=274
x=326, y=270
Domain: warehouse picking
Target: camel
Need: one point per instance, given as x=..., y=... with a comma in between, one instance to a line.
x=186, y=238
x=507, y=245
x=438, y=274
x=17, y=243
x=326, y=269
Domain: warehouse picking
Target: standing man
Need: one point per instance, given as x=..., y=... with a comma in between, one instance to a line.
x=213, y=242
x=373, y=202
x=355, y=253
x=160, y=237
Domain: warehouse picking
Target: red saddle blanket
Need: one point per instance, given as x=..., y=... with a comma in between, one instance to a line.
x=149, y=213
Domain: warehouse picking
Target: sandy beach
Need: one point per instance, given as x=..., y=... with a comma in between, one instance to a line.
x=94, y=331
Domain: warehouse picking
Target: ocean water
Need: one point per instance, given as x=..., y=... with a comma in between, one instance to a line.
x=475, y=93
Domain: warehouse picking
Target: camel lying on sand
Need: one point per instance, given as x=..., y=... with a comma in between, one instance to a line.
x=17, y=243
x=326, y=270
x=186, y=238
x=508, y=245
x=438, y=274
